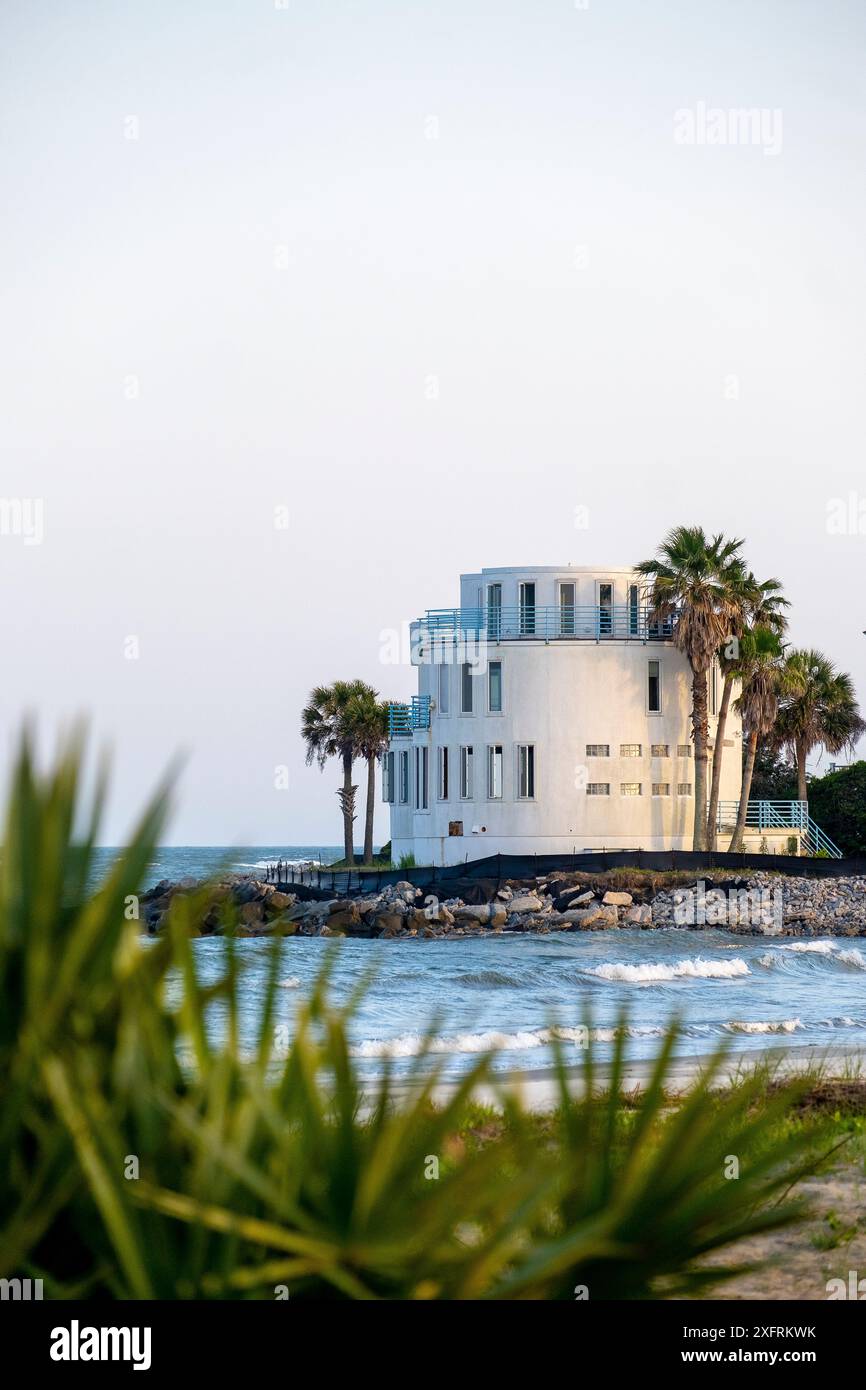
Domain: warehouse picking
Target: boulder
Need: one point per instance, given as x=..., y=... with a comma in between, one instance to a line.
x=343, y=915
x=526, y=902
x=279, y=902
x=611, y=899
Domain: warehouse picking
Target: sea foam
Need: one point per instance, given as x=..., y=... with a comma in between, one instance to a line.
x=656, y=972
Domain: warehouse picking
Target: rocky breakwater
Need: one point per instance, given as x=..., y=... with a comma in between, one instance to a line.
x=760, y=904
x=259, y=909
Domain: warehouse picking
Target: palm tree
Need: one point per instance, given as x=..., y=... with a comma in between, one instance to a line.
x=367, y=716
x=759, y=605
x=692, y=586
x=327, y=734
x=763, y=676
x=819, y=709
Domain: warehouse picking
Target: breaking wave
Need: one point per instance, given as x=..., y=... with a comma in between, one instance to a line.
x=412, y=1044
x=657, y=972
x=782, y=1025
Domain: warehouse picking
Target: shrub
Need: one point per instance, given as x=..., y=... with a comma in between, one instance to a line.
x=147, y=1156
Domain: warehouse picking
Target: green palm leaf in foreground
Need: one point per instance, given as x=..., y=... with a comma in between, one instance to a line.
x=146, y=1156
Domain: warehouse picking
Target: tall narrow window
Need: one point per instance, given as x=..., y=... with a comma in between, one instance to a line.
x=633, y=610
x=527, y=608
x=566, y=609
x=466, y=688
x=494, y=611
x=444, y=688
x=404, y=776
x=714, y=689
x=654, y=688
x=466, y=773
x=494, y=687
x=494, y=771
x=421, y=779
x=388, y=776
x=525, y=771
x=605, y=609
x=442, y=787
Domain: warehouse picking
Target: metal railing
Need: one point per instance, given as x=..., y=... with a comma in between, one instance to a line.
x=404, y=719
x=766, y=815
x=781, y=815
x=547, y=622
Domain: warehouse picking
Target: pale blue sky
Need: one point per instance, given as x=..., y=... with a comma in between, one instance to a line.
x=281, y=263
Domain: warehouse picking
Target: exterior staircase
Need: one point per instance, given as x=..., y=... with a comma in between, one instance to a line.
x=782, y=815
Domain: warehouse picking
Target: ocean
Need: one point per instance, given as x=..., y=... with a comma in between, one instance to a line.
x=512, y=992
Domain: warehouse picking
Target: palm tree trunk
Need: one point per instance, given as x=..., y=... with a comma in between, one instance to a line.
x=802, y=785
x=347, y=800
x=718, y=752
x=745, y=791
x=371, y=806
x=701, y=730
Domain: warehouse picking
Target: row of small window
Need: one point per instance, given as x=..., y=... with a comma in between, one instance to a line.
x=636, y=789
x=396, y=774
x=635, y=750
x=494, y=689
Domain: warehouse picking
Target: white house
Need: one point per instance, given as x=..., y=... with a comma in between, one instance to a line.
x=553, y=717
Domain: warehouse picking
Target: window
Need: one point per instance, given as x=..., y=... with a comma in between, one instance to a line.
x=684, y=788
x=494, y=687
x=442, y=778
x=527, y=608
x=598, y=750
x=466, y=688
x=654, y=688
x=566, y=609
x=466, y=773
x=494, y=771
x=605, y=608
x=661, y=788
x=684, y=750
x=659, y=750
x=494, y=611
x=630, y=750
x=421, y=779
x=714, y=689
x=388, y=777
x=404, y=776
x=525, y=771
x=630, y=788
x=444, y=688
x=598, y=788
x=633, y=610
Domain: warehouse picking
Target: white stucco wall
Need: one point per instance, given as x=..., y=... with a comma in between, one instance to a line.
x=559, y=696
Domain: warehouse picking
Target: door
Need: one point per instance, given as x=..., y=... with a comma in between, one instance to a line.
x=605, y=608
x=527, y=609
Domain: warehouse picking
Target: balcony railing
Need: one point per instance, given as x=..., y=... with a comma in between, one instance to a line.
x=404, y=719
x=539, y=622
x=766, y=815
x=781, y=815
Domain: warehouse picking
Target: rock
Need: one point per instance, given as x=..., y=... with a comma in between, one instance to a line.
x=525, y=902
x=470, y=913
x=251, y=913
x=343, y=915
x=641, y=915
x=279, y=902
x=388, y=924
x=611, y=899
